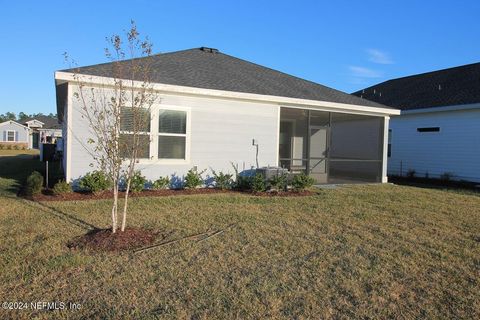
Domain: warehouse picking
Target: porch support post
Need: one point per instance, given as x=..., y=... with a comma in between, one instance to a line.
x=385, y=150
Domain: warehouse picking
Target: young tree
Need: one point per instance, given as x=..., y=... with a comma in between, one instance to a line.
x=118, y=114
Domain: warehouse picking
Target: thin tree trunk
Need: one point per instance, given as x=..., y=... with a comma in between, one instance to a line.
x=125, y=205
x=115, y=207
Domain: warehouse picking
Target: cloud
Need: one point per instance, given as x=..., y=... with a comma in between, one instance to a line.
x=380, y=57
x=362, y=72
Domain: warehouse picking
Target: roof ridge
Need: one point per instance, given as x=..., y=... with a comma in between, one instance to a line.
x=130, y=59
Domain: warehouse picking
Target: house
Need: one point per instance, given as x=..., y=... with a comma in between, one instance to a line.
x=44, y=129
x=438, y=131
x=212, y=106
x=13, y=134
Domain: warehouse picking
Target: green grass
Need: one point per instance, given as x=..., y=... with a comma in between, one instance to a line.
x=377, y=251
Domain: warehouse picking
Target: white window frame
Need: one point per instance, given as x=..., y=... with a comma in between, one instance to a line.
x=14, y=136
x=154, y=134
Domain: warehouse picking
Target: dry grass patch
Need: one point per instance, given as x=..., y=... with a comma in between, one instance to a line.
x=374, y=251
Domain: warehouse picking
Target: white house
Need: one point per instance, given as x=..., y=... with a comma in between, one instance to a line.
x=212, y=105
x=438, y=131
x=13, y=133
x=43, y=129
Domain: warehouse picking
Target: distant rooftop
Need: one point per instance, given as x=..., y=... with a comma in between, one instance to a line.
x=48, y=122
x=447, y=87
x=208, y=68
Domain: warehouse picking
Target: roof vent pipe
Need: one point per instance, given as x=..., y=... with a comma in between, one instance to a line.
x=210, y=50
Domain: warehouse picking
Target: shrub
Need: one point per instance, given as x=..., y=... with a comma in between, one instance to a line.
x=34, y=183
x=193, y=179
x=222, y=181
x=302, y=181
x=241, y=183
x=258, y=183
x=95, y=181
x=137, y=182
x=446, y=176
x=161, y=183
x=278, y=182
x=2, y=146
x=62, y=187
x=9, y=147
x=16, y=147
x=411, y=173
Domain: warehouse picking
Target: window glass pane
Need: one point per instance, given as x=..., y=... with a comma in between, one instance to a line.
x=171, y=147
x=171, y=121
x=126, y=146
x=11, y=136
x=137, y=119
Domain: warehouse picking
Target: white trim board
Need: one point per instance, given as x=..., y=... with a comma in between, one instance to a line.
x=284, y=101
x=442, y=109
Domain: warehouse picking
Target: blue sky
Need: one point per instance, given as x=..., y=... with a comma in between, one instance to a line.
x=346, y=45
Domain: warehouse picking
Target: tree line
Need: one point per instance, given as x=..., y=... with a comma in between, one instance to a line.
x=22, y=116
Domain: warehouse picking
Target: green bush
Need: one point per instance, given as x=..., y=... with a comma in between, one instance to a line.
x=411, y=173
x=193, y=179
x=258, y=183
x=278, y=182
x=137, y=182
x=161, y=183
x=222, y=180
x=9, y=147
x=242, y=183
x=2, y=146
x=446, y=176
x=302, y=181
x=62, y=187
x=34, y=183
x=95, y=181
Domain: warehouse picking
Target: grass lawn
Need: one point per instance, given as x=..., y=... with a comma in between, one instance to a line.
x=376, y=251
x=4, y=153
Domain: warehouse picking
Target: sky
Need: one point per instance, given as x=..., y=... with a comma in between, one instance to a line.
x=346, y=45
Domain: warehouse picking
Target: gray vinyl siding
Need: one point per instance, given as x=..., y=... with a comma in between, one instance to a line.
x=21, y=132
x=221, y=132
x=454, y=149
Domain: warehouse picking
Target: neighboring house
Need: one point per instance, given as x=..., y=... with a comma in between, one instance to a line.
x=14, y=134
x=44, y=129
x=438, y=131
x=212, y=105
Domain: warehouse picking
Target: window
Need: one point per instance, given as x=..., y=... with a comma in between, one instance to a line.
x=11, y=136
x=389, y=150
x=172, y=134
x=161, y=133
x=429, y=129
x=131, y=122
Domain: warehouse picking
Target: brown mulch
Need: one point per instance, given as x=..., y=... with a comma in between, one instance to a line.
x=47, y=195
x=105, y=240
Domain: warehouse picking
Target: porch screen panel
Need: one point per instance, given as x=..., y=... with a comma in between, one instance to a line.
x=356, y=148
x=293, y=144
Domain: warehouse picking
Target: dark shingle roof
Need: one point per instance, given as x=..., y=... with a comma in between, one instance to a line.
x=49, y=122
x=454, y=86
x=202, y=68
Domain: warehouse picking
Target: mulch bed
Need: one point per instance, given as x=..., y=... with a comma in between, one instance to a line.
x=47, y=195
x=105, y=240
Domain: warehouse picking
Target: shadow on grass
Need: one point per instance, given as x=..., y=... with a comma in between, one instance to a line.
x=67, y=217
x=429, y=183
